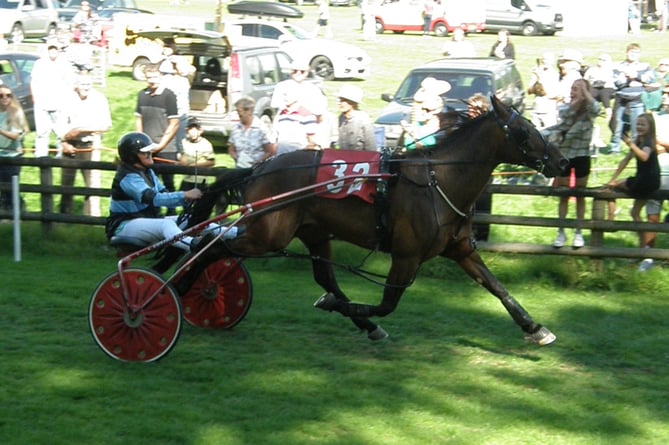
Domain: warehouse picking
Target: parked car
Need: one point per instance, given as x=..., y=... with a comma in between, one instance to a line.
x=67, y=12
x=401, y=16
x=329, y=59
x=15, y=72
x=527, y=17
x=466, y=76
x=20, y=19
x=224, y=74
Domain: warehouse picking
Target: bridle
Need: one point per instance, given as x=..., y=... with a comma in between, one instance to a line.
x=521, y=138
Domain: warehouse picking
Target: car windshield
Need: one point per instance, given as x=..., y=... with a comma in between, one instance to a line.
x=463, y=85
x=8, y=4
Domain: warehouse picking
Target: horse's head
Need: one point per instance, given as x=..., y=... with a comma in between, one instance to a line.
x=533, y=150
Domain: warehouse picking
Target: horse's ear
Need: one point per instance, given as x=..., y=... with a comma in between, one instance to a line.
x=498, y=106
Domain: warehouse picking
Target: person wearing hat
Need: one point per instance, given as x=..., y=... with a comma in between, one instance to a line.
x=423, y=132
x=652, y=94
x=309, y=96
x=249, y=142
x=295, y=126
x=356, y=131
x=197, y=152
x=137, y=196
x=52, y=80
x=88, y=118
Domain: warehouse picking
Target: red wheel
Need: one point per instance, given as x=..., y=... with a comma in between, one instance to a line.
x=133, y=333
x=220, y=297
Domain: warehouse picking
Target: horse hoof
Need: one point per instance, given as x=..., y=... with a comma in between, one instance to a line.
x=377, y=334
x=326, y=302
x=542, y=337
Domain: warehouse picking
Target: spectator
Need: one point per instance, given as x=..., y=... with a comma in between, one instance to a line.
x=652, y=94
x=570, y=63
x=249, y=142
x=577, y=123
x=323, y=19
x=137, y=196
x=52, y=80
x=458, y=46
x=600, y=77
x=633, y=18
x=428, y=11
x=543, y=85
x=629, y=77
x=309, y=96
x=88, y=117
x=85, y=24
x=368, y=20
x=175, y=74
x=423, y=132
x=198, y=152
x=13, y=126
x=503, y=48
x=295, y=126
x=654, y=206
x=356, y=131
x=647, y=177
x=157, y=115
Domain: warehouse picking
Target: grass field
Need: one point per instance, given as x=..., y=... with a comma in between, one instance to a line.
x=454, y=370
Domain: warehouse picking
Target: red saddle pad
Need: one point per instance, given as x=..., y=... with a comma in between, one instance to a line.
x=342, y=163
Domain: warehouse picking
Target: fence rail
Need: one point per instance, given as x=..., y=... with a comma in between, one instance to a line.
x=597, y=224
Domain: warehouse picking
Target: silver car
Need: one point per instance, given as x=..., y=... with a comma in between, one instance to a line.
x=20, y=19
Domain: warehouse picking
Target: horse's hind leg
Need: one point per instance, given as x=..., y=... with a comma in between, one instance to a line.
x=321, y=252
x=476, y=268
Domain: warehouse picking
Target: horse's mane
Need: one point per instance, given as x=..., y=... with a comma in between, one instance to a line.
x=463, y=129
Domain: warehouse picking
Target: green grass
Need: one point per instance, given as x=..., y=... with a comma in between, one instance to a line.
x=454, y=370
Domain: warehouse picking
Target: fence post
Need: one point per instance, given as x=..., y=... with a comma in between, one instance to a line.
x=598, y=214
x=46, y=177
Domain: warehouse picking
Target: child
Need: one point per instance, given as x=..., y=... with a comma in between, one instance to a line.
x=647, y=178
x=197, y=152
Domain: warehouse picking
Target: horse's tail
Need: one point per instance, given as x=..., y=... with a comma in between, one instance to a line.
x=224, y=191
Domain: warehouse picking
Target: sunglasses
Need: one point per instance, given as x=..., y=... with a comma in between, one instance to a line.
x=3, y=96
x=300, y=71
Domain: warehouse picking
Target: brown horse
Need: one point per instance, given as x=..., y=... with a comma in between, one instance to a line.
x=427, y=212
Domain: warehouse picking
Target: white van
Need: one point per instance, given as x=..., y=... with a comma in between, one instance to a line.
x=526, y=17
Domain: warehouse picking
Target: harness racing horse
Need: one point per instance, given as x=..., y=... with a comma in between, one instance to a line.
x=428, y=212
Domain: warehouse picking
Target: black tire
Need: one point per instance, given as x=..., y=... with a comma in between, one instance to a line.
x=322, y=67
x=138, y=68
x=441, y=30
x=379, y=27
x=17, y=34
x=529, y=29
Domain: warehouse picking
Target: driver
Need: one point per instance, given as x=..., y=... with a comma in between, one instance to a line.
x=137, y=196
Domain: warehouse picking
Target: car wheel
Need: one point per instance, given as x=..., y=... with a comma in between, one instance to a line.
x=17, y=33
x=138, y=68
x=52, y=31
x=322, y=67
x=529, y=29
x=440, y=30
x=379, y=27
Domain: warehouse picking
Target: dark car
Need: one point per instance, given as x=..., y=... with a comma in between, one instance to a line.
x=466, y=76
x=15, y=71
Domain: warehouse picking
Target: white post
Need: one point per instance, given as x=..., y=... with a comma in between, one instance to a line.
x=16, y=212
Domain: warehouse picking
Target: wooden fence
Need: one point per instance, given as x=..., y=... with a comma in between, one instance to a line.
x=597, y=224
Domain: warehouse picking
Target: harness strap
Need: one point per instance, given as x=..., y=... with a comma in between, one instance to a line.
x=435, y=184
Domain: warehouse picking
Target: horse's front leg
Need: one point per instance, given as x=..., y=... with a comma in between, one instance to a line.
x=402, y=273
x=321, y=252
x=476, y=268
